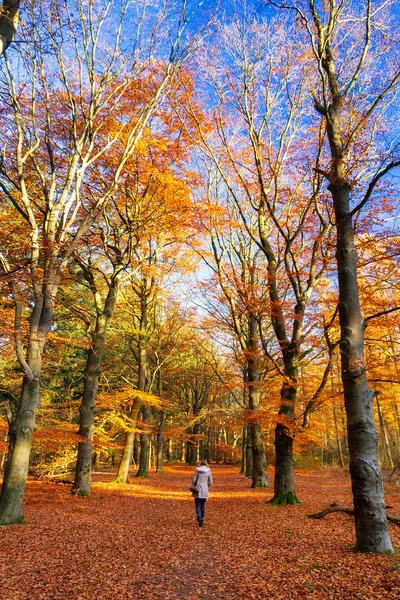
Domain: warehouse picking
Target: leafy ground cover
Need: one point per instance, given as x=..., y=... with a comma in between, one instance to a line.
x=141, y=541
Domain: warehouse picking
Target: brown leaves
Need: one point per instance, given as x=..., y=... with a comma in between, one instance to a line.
x=141, y=541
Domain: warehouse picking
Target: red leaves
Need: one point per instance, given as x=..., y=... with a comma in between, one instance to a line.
x=141, y=541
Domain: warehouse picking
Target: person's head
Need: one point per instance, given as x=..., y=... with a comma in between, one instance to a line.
x=204, y=463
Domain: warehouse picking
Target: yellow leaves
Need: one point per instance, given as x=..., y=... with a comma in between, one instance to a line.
x=124, y=423
x=128, y=396
x=72, y=342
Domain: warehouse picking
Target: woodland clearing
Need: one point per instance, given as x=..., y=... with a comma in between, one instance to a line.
x=141, y=541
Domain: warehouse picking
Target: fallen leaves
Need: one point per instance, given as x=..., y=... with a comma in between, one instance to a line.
x=141, y=541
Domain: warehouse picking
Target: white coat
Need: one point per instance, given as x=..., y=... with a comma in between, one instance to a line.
x=204, y=476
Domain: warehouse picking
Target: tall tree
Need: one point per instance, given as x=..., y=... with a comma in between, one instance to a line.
x=347, y=46
x=158, y=257
x=234, y=259
x=257, y=145
x=111, y=255
x=57, y=119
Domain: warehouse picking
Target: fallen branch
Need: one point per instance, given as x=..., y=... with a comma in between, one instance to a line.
x=349, y=511
x=331, y=508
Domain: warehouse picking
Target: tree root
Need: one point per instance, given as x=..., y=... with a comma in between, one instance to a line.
x=349, y=511
x=282, y=499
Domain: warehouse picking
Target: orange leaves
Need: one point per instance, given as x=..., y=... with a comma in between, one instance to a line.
x=144, y=535
x=71, y=341
x=50, y=439
x=126, y=396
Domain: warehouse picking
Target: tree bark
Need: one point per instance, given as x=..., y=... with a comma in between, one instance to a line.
x=127, y=453
x=284, y=492
x=259, y=462
x=21, y=429
x=87, y=412
x=170, y=451
x=143, y=470
x=369, y=505
x=244, y=443
x=126, y=458
x=16, y=470
x=87, y=409
x=9, y=17
x=159, y=466
x=384, y=431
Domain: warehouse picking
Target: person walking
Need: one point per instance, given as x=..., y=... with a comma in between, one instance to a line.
x=203, y=478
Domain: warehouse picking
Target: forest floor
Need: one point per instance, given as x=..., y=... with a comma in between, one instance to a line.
x=141, y=541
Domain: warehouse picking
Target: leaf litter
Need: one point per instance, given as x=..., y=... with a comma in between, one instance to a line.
x=141, y=541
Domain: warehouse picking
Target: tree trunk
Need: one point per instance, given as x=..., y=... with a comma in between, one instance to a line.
x=87, y=409
x=87, y=412
x=143, y=470
x=170, y=450
x=126, y=458
x=244, y=443
x=159, y=466
x=21, y=430
x=284, y=492
x=194, y=442
x=9, y=16
x=369, y=504
x=259, y=462
x=16, y=470
x=249, y=454
x=182, y=458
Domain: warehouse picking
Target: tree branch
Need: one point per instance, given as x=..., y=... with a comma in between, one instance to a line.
x=380, y=314
x=372, y=185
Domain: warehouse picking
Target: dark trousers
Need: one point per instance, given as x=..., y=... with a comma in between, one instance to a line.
x=200, y=504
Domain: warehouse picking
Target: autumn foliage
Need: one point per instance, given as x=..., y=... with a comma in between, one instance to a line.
x=142, y=541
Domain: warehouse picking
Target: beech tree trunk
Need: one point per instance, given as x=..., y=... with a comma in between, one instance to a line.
x=371, y=524
x=284, y=492
x=127, y=453
x=244, y=442
x=87, y=409
x=87, y=412
x=249, y=456
x=159, y=465
x=143, y=470
x=259, y=461
x=384, y=432
x=21, y=429
x=126, y=458
x=369, y=504
x=192, y=447
x=20, y=442
x=170, y=450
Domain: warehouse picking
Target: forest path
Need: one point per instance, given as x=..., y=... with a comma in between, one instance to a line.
x=141, y=541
